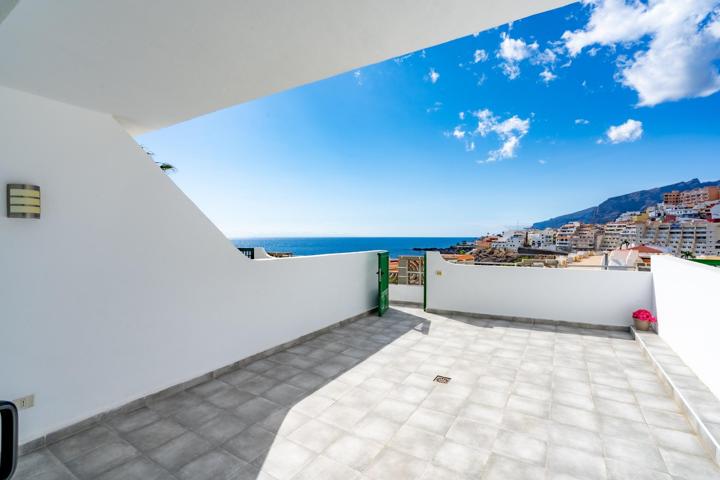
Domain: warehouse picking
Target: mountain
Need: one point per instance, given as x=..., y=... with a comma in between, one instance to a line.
x=611, y=208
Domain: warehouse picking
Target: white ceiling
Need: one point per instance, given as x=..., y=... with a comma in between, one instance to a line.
x=153, y=63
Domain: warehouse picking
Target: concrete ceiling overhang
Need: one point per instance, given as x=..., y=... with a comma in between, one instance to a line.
x=154, y=63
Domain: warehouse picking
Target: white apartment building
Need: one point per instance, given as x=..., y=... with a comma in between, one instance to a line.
x=715, y=212
x=542, y=239
x=511, y=240
x=698, y=237
x=618, y=233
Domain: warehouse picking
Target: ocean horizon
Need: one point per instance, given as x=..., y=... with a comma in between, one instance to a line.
x=302, y=246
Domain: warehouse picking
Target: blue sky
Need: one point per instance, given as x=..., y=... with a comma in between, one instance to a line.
x=548, y=115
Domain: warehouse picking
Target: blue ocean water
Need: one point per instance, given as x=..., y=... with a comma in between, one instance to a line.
x=321, y=245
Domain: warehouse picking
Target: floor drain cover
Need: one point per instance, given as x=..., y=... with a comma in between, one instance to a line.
x=441, y=379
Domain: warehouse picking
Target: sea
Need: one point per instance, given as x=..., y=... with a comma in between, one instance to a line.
x=301, y=246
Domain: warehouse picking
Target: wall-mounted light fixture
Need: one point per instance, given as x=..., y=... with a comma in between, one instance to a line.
x=23, y=201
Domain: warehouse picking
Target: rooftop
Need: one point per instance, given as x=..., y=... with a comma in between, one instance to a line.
x=360, y=401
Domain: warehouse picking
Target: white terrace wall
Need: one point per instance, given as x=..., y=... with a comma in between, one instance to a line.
x=687, y=300
x=406, y=293
x=571, y=295
x=124, y=287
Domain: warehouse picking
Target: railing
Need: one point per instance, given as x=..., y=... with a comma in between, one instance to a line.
x=248, y=252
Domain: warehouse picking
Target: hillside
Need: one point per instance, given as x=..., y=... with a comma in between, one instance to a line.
x=611, y=208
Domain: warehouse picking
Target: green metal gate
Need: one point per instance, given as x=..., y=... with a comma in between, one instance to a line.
x=383, y=282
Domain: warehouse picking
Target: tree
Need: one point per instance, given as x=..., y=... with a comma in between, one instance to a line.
x=687, y=255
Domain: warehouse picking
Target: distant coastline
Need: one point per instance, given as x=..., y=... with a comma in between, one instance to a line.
x=301, y=246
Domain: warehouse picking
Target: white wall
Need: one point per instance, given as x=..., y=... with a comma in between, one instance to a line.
x=124, y=287
x=686, y=299
x=571, y=295
x=406, y=293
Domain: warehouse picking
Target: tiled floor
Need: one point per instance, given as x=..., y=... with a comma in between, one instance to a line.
x=524, y=402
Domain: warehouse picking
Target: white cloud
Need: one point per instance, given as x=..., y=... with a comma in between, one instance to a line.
x=509, y=131
x=542, y=162
x=678, y=58
x=547, y=76
x=480, y=56
x=581, y=121
x=458, y=133
x=470, y=146
x=436, y=106
x=461, y=115
x=629, y=131
x=357, y=74
x=513, y=51
x=433, y=75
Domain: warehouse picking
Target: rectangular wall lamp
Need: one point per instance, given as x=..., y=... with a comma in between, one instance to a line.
x=23, y=201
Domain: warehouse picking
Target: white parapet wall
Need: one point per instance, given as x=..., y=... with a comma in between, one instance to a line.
x=123, y=287
x=406, y=294
x=687, y=299
x=595, y=297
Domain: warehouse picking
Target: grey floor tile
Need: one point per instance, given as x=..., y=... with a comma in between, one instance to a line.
x=251, y=444
x=41, y=462
x=520, y=446
x=689, y=467
x=393, y=465
x=575, y=463
x=139, y=468
x=127, y=422
x=316, y=435
x=256, y=410
x=102, y=459
x=574, y=437
x=416, y=442
x=221, y=428
x=376, y=427
x=462, y=459
x=214, y=465
x=82, y=443
x=473, y=434
x=644, y=455
x=680, y=441
x=152, y=436
x=284, y=394
x=395, y=410
x=327, y=469
x=431, y=421
x=180, y=451
x=169, y=405
x=197, y=415
x=528, y=406
x=620, y=470
x=503, y=468
x=285, y=459
x=230, y=398
x=575, y=417
x=355, y=452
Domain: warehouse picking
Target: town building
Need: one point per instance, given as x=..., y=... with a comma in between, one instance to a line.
x=564, y=235
x=617, y=234
x=692, y=197
x=511, y=240
x=542, y=239
x=697, y=237
x=586, y=237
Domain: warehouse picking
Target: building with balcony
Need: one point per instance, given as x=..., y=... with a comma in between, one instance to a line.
x=563, y=239
x=692, y=197
x=141, y=344
x=698, y=237
x=586, y=237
